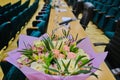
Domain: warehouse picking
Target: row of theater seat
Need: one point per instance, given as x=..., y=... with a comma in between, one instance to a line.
x=10, y=71
x=7, y=15
x=112, y=3
x=5, y=8
x=107, y=18
x=41, y=22
x=105, y=15
x=10, y=23
x=9, y=6
x=9, y=29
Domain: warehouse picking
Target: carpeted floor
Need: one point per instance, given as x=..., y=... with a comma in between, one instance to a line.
x=95, y=34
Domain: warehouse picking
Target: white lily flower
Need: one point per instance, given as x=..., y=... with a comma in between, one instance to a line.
x=37, y=66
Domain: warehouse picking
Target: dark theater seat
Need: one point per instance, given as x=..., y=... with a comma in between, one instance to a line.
x=113, y=48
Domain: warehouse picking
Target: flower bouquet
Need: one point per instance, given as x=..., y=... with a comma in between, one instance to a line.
x=55, y=58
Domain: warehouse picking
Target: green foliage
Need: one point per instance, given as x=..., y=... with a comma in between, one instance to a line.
x=58, y=65
x=94, y=75
x=66, y=66
x=28, y=53
x=79, y=59
x=48, y=59
x=85, y=61
x=74, y=49
x=50, y=69
x=48, y=44
x=81, y=71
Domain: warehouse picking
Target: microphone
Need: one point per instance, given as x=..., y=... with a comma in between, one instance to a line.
x=67, y=21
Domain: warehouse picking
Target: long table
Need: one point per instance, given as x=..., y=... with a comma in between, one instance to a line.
x=56, y=17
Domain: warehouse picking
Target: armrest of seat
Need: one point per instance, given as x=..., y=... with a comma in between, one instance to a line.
x=95, y=10
x=29, y=30
x=109, y=16
x=100, y=44
x=37, y=17
x=116, y=20
x=116, y=71
x=41, y=12
x=101, y=12
x=34, y=23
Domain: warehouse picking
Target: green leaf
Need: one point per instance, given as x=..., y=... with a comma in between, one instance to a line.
x=52, y=36
x=64, y=32
x=81, y=71
x=63, y=64
x=60, y=45
x=78, y=59
x=94, y=75
x=48, y=59
x=76, y=37
x=58, y=65
x=54, y=70
x=71, y=48
x=86, y=61
x=92, y=67
x=28, y=53
x=47, y=45
x=66, y=66
x=74, y=49
x=50, y=42
x=67, y=33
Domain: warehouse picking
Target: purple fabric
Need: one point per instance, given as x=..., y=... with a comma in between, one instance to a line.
x=35, y=75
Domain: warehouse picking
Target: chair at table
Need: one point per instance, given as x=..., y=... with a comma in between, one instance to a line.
x=87, y=14
x=70, y=2
x=77, y=7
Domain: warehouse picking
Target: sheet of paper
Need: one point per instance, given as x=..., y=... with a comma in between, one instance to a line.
x=66, y=18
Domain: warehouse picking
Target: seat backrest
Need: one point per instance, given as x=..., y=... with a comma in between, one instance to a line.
x=113, y=48
x=116, y=3
x=87, y=14
x=5, y=32
x=41, y=24
x=109, y=2
x=5, y=8
x=16, y=4
x=113, y=11
x=78, y=7
x=105, y=8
